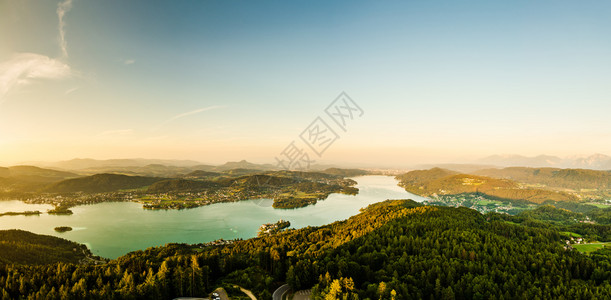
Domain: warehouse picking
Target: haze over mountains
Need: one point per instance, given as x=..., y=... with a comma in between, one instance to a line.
x=85, y=163
x=596, y=161
x=169, y=167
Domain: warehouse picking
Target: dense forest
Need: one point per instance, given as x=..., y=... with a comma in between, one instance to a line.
x=564, y=220
x=180, y=185
x=22, y=247
x=395, y=249
x=100, y=183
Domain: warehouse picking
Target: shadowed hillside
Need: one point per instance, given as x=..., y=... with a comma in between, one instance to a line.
x=100, y=183
x=22, y=247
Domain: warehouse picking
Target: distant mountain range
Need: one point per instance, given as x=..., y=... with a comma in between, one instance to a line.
x=553, y=177
x=176, y=168
x=32, y=173
x=86, y=163
x=595, y=162
x=243, y=165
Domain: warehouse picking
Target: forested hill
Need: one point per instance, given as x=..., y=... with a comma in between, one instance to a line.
x=31, y=172
x=437, y=181
x=100, y=183
x=346, y=172
x=22, y=247
x=419, y=176
x=29, y=178
x=392, y=250
x=553, y=177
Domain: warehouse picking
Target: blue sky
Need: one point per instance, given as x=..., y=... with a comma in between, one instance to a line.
x=229, y=80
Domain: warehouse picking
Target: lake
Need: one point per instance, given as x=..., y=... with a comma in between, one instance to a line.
x=113, y=229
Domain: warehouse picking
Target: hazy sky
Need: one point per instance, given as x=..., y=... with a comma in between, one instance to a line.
x=229, y=80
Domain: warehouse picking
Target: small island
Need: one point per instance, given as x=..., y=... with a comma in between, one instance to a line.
x=63, y=228
x=272, y=228
x=60, y=210
x=22, y=213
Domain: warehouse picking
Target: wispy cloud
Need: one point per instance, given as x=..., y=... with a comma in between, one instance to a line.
x=70, y=91
x=62, y=9
x=129, y=61
x=116, y=132
x=23, y=68
x=189, y=113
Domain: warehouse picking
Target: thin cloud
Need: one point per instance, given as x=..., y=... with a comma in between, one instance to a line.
x=23, y=68
x=62, y=9
x=129, y=62
x=116, y=132
x=70, y=91
x=193, y=112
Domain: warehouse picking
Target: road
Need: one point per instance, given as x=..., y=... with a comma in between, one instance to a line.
x=279, y=292
x=247, y=292
x=302, y=295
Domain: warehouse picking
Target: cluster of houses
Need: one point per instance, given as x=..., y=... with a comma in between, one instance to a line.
x=575, y=241
x=219, y=242
x=470, y=202
x=271, y=228
x=74, y=199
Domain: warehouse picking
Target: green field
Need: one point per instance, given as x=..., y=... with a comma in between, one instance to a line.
x=571, y=234
x=599, y=205
x=587, y=248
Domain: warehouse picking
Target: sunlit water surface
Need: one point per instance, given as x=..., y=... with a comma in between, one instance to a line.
x=115, y=228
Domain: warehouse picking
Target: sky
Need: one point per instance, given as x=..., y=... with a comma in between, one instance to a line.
x=215, y=81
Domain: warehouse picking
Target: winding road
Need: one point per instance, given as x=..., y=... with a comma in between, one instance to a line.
x=281, y=291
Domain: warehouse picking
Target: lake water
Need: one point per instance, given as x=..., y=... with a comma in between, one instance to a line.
x=113, y=229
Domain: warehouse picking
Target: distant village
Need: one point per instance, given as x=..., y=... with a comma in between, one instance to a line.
x=479, y=203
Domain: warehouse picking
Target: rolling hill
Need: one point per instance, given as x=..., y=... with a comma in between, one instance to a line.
x=100, y=183
x=554, y=177
x=180, y=185
x=32, y=171
x=29, y=178
x=419, y=176
x=436, y=182
x=152, y=170
x=258, y=180
x=84, y=163
x=345, y=172
x=596, y=161
x=22, y=247
x=201, y=174
x=243, y=164
x=394, y=249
